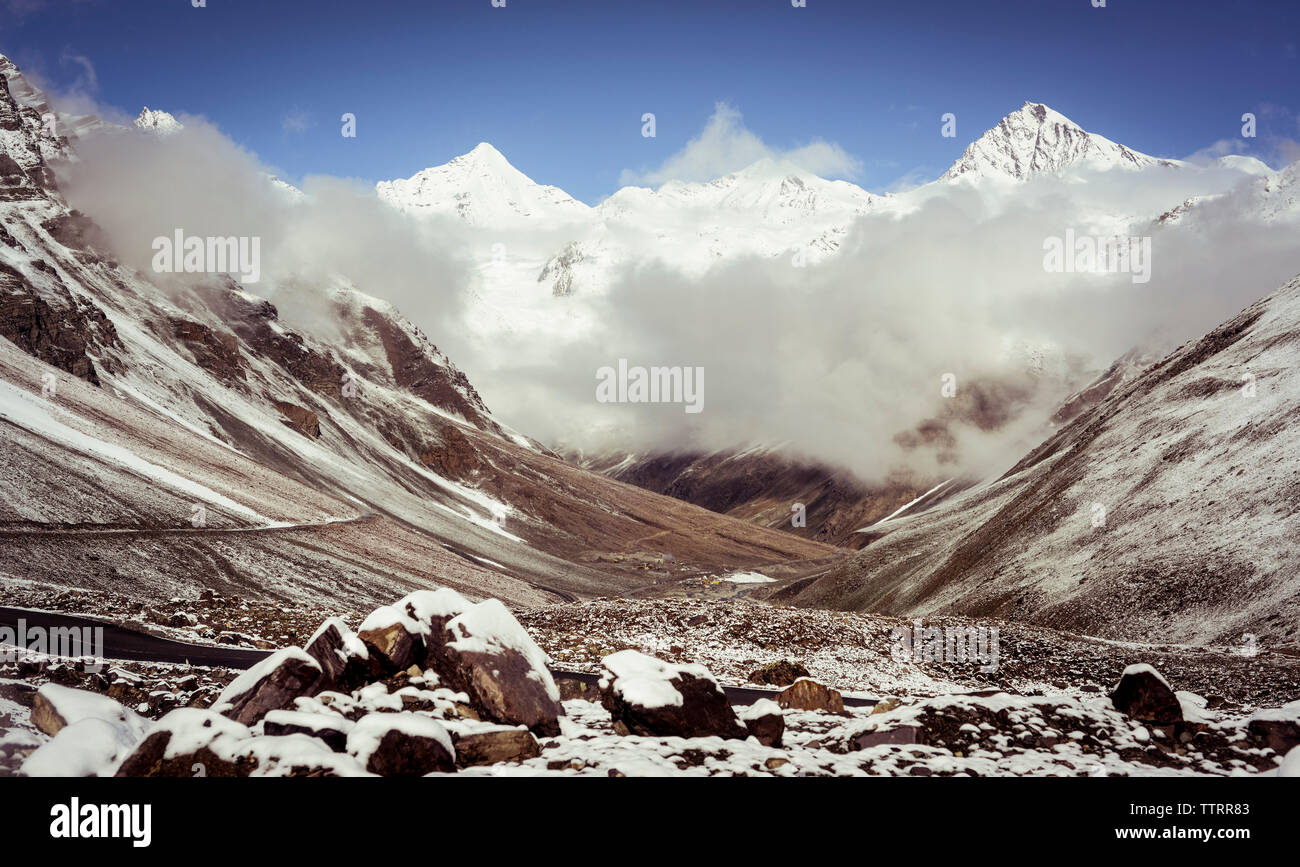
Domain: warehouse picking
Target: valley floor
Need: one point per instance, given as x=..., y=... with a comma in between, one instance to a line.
x=1042, y=710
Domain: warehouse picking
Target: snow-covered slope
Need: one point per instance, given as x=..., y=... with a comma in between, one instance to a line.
x=482, y=189
x=158, y=121
x=1036, y=140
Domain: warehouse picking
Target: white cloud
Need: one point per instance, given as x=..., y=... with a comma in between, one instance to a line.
x=725, y=145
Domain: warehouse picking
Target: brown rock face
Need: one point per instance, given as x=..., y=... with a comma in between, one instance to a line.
x=333, y=731
x=808, y=694
x=455, y=458
x=1279, y=735
x=219, y=353
x=393, y=647
x=491, y=747
x=59, y=336
x=500, y=688
x=301, y=419
x=440, y=384
x=1145, y=696
x=45, y=717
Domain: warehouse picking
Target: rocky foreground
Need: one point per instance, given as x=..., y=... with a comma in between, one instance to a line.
x=435, y=684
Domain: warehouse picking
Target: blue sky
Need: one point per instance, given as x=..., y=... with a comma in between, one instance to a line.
x=559, y=86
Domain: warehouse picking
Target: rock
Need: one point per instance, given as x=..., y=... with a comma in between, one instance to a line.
x=906, y=734
x=781, y=673
x=775, y=762
x=488, y=656
x=89, y=747
x=493, y=745
x=658, y=699
x=207, y=744
x=401, y=745
x=1290, y=766
x=54, y=707
x=44, y=716
x=301, y=419
x=342, y=656
x=328, y=727
x=885, y=705
x=764, y=721
x=432, y=610
x=1143, y=694
x=808, y=694
x=392, y=639
x=272, y=684
x=1277, y=728
x=580, y=690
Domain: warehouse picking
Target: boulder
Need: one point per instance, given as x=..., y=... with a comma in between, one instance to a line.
x=328, y=727
x=781, y=673
x=342, y=656
x=807, y=694
x=401, y=745
x=1143, y=694
x=765, y=721
x=54, y=707
x=432, y=611
x=190, y=743
x=489, y=656
x=272, y=684
x=646, y=696
x=490, y=745
x=89, y=747
x=393, y=640
x=1277, y=728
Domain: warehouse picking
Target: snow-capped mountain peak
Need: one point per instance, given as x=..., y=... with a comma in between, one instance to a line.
x=1035, y=140
x=159, y=122
x=481, y=188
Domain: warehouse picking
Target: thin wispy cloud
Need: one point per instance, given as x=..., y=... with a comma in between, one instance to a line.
x=726, y=145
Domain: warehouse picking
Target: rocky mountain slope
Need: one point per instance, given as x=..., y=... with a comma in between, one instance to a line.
x=1165, y=510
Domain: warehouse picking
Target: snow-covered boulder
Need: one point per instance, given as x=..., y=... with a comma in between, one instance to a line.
x=401, y=744
x=190, y=742
x=271, y=684
x=200, y=743
x=491, y=658
x=91, y=733
x=1277, y=728
x=1290, y=766
x=392, y=639
x=647, y=696
x=765, y=721
x=330, y=728
x=1143, y=694
x=55, y=706
x=479, y=743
